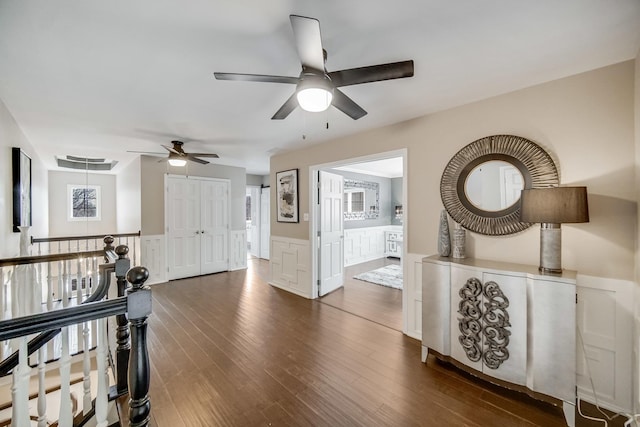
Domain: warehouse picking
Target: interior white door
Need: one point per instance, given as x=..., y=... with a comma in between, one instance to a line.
x=214, y=226
x=254, y=229
x=183, y=227
x=264, y=222
x=331, y=264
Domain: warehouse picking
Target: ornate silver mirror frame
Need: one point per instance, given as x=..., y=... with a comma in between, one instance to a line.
x=534, y=163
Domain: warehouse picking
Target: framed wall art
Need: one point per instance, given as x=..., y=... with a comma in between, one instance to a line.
x=83, y=202
x=287, y=195
x=21, y=169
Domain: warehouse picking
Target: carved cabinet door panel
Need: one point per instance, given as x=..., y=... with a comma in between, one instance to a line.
x=466, y=316
x=505, y=327
x=489, y=322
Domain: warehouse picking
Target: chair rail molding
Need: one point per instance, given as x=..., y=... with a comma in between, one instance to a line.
x=289, y=265
x=412, y=295
x=238, y=250
x=605, y=325
x=152, y=255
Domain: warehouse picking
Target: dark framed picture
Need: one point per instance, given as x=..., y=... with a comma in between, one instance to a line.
x=21, y=169
x=83, y=202
x=287, y=195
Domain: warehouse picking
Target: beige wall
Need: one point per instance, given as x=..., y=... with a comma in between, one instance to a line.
x=128, y=198
x=11, y=136
x=636, y=347
x=152, y=190
x=59, y=225
x=584, y=121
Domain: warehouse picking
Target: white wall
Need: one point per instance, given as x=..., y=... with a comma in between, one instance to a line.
x=59, y=225
x=11, y=136
x=128, y=195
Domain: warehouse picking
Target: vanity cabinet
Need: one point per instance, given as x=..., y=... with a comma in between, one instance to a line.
x=393, y=244
x=504, y=322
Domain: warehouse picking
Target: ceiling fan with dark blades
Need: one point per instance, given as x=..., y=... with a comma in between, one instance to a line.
x=177, y=153
x=316, y=88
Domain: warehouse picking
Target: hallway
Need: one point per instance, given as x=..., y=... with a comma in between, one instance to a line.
x=229, y=350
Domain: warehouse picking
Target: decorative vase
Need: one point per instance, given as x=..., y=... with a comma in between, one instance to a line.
x=459, y=240
x=25, y=282
x=444, y=240
x=24, y=240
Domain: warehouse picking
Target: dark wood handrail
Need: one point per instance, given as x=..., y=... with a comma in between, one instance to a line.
x=26, y=325
x=89, y=237
x=34, y=259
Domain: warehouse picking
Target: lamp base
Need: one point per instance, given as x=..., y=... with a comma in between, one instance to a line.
x=550, y=249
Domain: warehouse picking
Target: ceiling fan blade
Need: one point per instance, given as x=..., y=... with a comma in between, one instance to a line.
x=256, y=78
x=286, y=108
x=204, y=155
x=172, y=150
x=147, y=152
x=308, y=41
x=373, y=73
x=345, y=104
x=197, y=160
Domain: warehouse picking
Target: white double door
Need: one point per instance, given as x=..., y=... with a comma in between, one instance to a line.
x=197, y=226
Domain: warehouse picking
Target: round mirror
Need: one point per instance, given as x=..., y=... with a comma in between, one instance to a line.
x=491, y=205
x=494, y=185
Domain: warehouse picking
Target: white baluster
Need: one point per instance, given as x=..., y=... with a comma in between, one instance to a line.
x=20, y=388
x=42, y=393
x=86, y=367
x=103, y=385
x=65, y=418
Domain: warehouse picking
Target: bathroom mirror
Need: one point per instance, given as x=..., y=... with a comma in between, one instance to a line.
x=480, y=186
x=361, y=200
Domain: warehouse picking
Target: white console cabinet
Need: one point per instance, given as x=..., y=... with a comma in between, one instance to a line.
x=503, y=322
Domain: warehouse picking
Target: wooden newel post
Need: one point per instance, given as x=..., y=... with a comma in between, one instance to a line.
x=139, y=308
x=122, y=333
x=108, y=246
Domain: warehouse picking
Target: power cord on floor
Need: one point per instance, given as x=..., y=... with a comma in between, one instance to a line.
x=632, y=419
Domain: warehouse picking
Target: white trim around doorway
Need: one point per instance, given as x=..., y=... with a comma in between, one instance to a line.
x=314, y=215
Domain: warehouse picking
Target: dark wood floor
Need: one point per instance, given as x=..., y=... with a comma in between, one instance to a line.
x=230, y=350
x=373, y=302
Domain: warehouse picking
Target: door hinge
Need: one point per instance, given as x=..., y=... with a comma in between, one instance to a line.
x=576, y=298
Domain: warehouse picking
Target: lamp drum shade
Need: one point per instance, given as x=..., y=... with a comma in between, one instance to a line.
x=554, y=205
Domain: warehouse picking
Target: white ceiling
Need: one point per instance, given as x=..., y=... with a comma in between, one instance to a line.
x=97, y=78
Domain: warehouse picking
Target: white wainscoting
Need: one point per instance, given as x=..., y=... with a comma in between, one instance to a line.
x=412, y=295
x=238, y=250
x=289, y=265
x=363, y=244
x=605, y=324
x=152, y=257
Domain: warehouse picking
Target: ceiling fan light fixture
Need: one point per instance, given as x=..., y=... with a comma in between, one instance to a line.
x=178, y=162
x=314, y=93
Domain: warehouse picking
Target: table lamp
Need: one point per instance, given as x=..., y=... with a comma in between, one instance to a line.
x=551, y=207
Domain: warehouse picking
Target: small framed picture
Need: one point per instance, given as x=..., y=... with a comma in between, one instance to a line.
x=287, y=195
x=83, y=202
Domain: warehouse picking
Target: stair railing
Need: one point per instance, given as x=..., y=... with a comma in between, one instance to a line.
x=70, y=244
x=136, y=305
x=119, y=264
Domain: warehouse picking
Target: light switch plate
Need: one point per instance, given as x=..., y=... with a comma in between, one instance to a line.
x=305, y=216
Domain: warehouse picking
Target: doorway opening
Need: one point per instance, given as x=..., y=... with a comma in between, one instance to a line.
x=257, y=221
x=371, y=242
